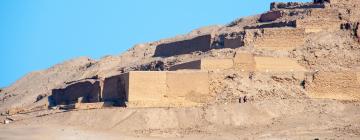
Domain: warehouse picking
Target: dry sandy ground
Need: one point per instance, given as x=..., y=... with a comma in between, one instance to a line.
x=284, y=119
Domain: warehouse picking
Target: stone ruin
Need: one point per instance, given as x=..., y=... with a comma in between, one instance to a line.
x=187, y=84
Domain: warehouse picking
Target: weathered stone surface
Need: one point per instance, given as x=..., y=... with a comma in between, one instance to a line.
x=270, y=16
x=200, y=43
x=89, y=90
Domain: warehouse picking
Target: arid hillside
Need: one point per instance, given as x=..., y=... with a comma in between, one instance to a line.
x=290, y=73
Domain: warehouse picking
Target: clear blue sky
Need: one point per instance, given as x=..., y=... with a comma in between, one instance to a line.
x=36, y=34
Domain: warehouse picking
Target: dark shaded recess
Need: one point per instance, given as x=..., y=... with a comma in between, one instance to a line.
x=200, y=43
x=273, y=25
x=114, y=90
x=88, y=90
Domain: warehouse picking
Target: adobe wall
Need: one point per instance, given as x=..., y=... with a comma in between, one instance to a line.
x=244, y=62
x=188, y=65
x=205, y=64
x=274, y=64
x=168, y=89
x=200, y=43
x=270, y=16
x=247, y=62
x=113, y=89
x=189, y=86
x=275, y=38
x=146, y=86
x=233, y=43
x=312, y=26
x=334, y=85
x=216, y=64
x=320, y=20
x=89, y=90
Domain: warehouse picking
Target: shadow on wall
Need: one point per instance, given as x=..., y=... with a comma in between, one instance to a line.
x=111, y=89
x=200, y=43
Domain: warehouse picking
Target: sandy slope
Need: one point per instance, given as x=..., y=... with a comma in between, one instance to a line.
x=270, y=119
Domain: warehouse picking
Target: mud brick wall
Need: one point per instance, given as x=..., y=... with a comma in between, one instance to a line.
x=244, y=62
x=114, y=89
x=275, y=38
x=201, y=43
x=89, y=90
x=335, y=85
x=205, y=64
x=311, y=26
x=275, y=64
x=270, y=16
x=187, y=65
x=167, y=89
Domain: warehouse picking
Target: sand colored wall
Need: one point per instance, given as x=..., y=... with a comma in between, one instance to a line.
x=168, y=89
x=273, y=64
x=244, y=62
x=335, y=85
x=146, y=85
x=205, y=64
x=313, y=26
x=216, y=64
x=188, y=85
x=247, y=62
x=319, y=20
x=275, y=38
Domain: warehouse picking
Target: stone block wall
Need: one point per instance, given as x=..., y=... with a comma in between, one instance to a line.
x=334, y=85
x=200, y=43
x=275, y=38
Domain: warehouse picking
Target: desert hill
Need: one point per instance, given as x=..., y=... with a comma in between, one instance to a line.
x=292, y=72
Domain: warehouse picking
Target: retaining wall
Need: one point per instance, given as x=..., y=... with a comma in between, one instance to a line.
x=335, y=85
x=275, y=38
x=200, y=43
